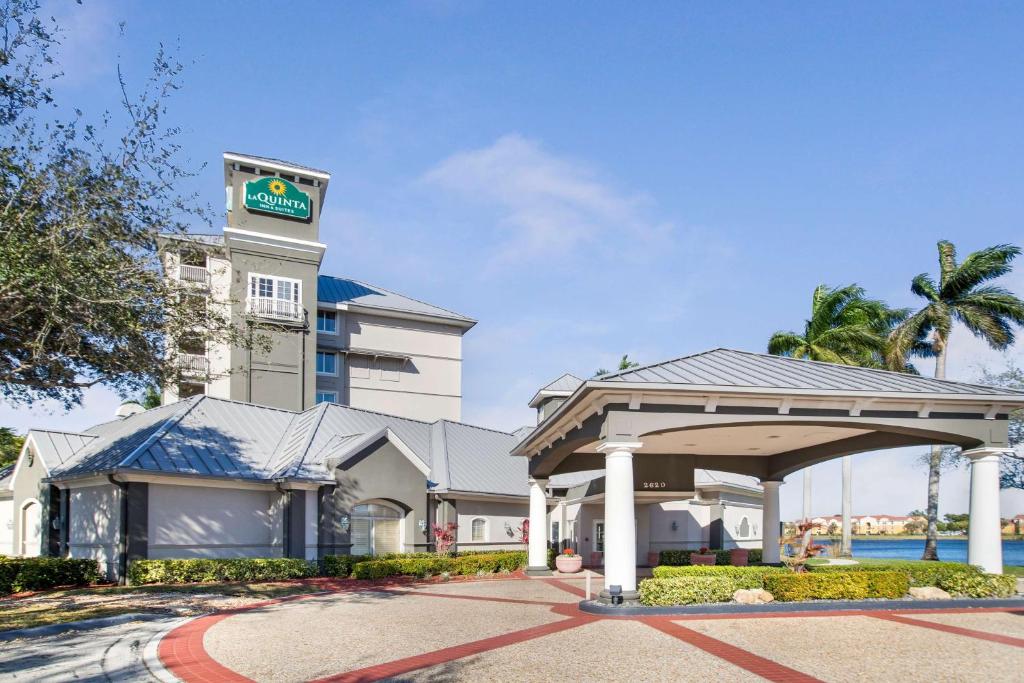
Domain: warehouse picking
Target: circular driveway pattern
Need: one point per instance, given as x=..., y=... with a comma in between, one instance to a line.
x=532, y=630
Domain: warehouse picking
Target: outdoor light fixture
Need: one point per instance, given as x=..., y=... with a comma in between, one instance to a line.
x=616, y=593
x=344, y=522
x=675, y=525
x=422, y=523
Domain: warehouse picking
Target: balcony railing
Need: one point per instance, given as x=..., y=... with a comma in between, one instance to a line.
x=197, y=274
x=193, y=364
x=275, y=309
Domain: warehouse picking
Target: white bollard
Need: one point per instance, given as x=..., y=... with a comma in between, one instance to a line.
x=588, y=584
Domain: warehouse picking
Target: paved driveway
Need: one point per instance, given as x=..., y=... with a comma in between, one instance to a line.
x=531, y=630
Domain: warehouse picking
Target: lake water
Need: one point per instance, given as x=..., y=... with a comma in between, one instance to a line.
x=950, y=549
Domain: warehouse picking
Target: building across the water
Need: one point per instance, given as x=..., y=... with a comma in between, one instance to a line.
x=344, y=438
x=870, y=525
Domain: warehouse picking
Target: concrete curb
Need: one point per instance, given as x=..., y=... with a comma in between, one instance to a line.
x=83, y=625
x=151, y=653
x=594, y=607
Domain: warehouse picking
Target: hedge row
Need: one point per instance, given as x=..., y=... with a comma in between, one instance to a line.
x=486, y=563
x=681, y=558
x=789, y=587
x=212, y=570
x=919, y=573
x=681, y=588
x=41, y=573
x=277, y=569
x=979, y=585
x=743, y=577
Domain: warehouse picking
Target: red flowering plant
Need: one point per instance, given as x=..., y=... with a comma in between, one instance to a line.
x=704, y=550
x=444, y=537
x=524, y=532
x=804, y=548
x=569, y=552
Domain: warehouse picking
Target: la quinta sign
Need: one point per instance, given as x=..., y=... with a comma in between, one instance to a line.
x=276, y=196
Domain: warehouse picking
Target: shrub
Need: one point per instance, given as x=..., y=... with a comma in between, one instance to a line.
x=744, y=577
x=40, y=573
x=420, y=566
x=919, y=573
x=979, y=585
x=687, y=590
x=681, y=558
x=211, y=570
x=340, y=565
x=788, y=587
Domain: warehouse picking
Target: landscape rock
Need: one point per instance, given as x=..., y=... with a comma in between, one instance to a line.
x=929, y=593
x=754, y=596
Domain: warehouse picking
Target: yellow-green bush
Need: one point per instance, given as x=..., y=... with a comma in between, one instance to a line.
x=687, y=590
x=979, y=585
x=789, y=587
x=430, y=565
x=211, y=570
x=919, y=573
x=680, y=558
x=744, y=577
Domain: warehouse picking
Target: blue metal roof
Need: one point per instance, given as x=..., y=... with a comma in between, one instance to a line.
x=339, y=290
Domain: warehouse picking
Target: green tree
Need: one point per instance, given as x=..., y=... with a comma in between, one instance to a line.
x=845, y=327
x=10, y=446
x=624, y=364
x=83, y=301
x=963, y=294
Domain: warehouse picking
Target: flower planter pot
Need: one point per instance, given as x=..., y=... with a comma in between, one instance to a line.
x=739, y=557
x=697, y=558
x=569, y=565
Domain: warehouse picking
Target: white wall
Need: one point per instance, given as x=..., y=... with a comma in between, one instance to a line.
x=7, y=526
x=732, y=518
x=96, y=525
x=498, y=515
x=691, y=530
x=312, y=526
x=195, y=521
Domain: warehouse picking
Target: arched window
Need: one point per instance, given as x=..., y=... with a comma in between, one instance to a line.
x=479, y=527
x=744, y=531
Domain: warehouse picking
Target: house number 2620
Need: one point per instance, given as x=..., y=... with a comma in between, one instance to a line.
x=655, y=485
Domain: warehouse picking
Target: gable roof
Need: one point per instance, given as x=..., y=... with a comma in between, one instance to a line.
x=339, y=290
x=731, y=368
x=563, y=386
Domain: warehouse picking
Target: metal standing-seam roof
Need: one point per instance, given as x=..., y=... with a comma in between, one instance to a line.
x=563, y=386
x=727, y=367
x=470, y=467
x=338, y=290
x=58, y=448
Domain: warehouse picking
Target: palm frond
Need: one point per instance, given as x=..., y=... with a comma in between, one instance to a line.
x=996, y=300
x=907, y=336
x=980, y=266
x=924, y=286
x=983, y=323
x=786, y=344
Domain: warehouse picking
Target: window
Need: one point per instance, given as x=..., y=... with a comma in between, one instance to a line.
x=390, y=369
x=375, y=529
x=327, y=397
x=326, y=363
x=188, y=390
x=599, y=536
x=275, y=297
x=327, y=322
x=555, y=540
x=479, y=529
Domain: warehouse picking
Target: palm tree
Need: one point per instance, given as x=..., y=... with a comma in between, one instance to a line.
x=624, y=364
x=961, y=295
x=848, y=328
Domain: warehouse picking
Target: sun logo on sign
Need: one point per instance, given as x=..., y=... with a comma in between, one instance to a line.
x=277, y=187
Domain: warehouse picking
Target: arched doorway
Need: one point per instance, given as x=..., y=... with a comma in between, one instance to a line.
x=376, y=529
x=31, y=528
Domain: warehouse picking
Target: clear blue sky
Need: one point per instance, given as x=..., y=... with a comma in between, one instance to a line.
x=593, y=180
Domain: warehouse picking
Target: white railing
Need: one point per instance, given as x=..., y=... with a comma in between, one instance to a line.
x=193, y=364
x=197, y=274
x=277, y=309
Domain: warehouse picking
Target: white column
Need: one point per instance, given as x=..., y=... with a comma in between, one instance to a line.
x=846, y=547
x=538, y=543
x=563, y=525
x=770, y=522
x=619, y=517
x=984, y=536
x=807, y=493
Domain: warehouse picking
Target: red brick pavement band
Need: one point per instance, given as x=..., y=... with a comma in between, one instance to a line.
x=567, y=587
x=401, y=666
x=766, y=668
x=958, y=630
x=182, y=652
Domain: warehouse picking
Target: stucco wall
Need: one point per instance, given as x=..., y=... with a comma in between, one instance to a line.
x=732, y=517
x=96, y=525
x=388, y=475
x=194, y=521
x=691, y=530
x=7, y=526
x=500, y=518
x=27, y=490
